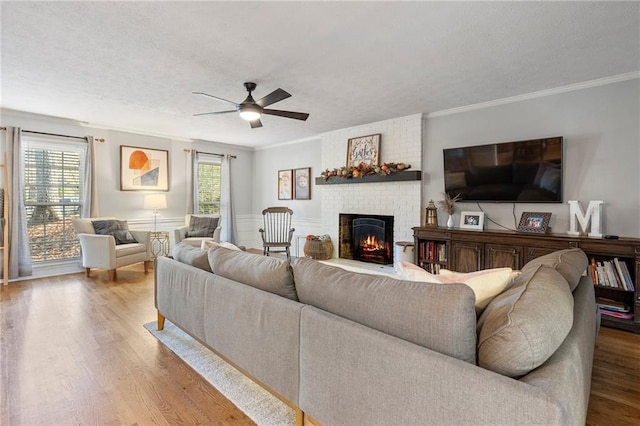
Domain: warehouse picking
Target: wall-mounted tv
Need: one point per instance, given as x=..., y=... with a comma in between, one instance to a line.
x=520, y=172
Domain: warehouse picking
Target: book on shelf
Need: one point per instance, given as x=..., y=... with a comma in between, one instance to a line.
x=612, y=305
x=611, y=273
x=622, y=315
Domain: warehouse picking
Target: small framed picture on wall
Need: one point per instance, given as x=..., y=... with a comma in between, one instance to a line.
x=302, y=187
x=285, y=184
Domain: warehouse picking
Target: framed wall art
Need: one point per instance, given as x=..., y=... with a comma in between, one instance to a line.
x=535, y=222
x=143, y=169
x=364, y=149
x=302, y=179
x=285, y=185
x=472, y=220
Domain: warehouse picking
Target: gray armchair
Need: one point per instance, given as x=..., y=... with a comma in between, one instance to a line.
x=102, y=251
x=190, y=233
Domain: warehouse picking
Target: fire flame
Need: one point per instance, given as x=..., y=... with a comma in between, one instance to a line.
x=371, y=244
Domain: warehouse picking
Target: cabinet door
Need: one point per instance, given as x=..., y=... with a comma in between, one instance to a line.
x=533, y=252
x=501, y=256
x=467, y=256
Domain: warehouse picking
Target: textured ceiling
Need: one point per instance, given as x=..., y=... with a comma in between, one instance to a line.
x=133, y=65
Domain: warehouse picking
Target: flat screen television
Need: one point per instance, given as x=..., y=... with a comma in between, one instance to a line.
x=516, y=172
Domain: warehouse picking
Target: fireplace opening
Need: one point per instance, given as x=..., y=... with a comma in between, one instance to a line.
x=367, y=238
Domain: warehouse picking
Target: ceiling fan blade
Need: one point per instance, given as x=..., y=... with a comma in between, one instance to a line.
x=273, y=97
x=255, y=123
x=215, y=97
x=216, y=112
x=288, y=114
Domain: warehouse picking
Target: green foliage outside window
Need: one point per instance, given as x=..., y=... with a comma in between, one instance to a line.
x=209, y=188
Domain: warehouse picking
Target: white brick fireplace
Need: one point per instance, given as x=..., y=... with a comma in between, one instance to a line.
x=401, y=141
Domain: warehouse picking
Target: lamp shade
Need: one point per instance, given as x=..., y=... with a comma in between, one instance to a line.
x=155, y=201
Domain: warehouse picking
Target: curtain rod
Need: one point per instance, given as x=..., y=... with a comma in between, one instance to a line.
x=187, y=150
x=55, y=134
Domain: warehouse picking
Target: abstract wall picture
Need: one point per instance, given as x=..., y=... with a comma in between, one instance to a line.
x=143, y=169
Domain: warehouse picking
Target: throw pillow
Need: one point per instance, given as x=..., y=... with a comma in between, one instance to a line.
x=124, y=237
x=486, y=284
x=410, y=272
x=106, y=227
x=202, y=226
x=118, y=229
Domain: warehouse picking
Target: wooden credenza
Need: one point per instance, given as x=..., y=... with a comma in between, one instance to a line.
x=469, y=250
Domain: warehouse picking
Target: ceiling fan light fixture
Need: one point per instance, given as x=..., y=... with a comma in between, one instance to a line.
x=249, y=112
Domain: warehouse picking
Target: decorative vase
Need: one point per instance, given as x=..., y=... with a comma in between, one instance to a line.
x=450, y=221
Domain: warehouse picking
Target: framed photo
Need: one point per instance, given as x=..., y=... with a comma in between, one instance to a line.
x=285, y=185
x=364, y=149
x=472, y=220
x=302, y=186
x=535, y=222
x=143, y=169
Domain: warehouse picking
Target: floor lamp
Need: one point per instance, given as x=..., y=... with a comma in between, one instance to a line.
x=155, y=202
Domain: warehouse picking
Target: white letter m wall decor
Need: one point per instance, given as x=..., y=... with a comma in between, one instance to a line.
x=592, y=215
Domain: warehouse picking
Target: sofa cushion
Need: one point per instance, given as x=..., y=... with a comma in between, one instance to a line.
x=570, y=263
x=522, y=327
x=263, y=272
x=208, y=244
x=194, y=256
x=202, y=226
x=435, y=316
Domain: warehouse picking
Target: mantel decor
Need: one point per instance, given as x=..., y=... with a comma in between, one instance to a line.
x=363, y=149
x=406, y=175
x=535, y=222
x=144, y=169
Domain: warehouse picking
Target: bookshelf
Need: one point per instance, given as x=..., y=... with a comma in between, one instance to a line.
x=470, y=250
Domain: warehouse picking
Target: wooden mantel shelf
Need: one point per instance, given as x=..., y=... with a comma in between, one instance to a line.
x=408, y=175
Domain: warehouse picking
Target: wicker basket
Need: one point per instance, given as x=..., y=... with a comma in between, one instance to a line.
x=318, y=249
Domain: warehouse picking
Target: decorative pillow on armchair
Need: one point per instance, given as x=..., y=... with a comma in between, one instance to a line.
x=118, y=229
x=202, y=226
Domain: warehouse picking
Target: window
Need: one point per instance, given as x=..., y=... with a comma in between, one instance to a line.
x=208, y=184
x=53, y=186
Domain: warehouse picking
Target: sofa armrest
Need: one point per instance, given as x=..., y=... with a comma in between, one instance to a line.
x=180, y=233
x=98, y=251
x=216, y=234
x=143, y=237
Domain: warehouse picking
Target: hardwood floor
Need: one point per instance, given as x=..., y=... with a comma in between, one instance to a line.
x=73, y=351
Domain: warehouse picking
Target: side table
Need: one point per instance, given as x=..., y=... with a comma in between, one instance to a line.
x=159, y=244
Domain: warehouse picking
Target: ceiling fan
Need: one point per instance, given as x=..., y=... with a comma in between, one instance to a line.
x=251, y=110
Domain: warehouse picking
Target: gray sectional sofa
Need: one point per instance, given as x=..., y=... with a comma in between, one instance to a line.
x=345, y=348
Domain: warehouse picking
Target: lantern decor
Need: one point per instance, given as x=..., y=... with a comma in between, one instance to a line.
x=432, y=215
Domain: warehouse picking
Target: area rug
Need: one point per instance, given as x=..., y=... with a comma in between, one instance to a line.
x=257, y=403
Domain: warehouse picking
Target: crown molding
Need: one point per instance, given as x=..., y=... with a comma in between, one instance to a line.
x=539, y=94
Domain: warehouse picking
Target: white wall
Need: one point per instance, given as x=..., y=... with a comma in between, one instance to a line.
x=400, y=141
x=601, y=130
x=129, y=204
x=266, y=163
